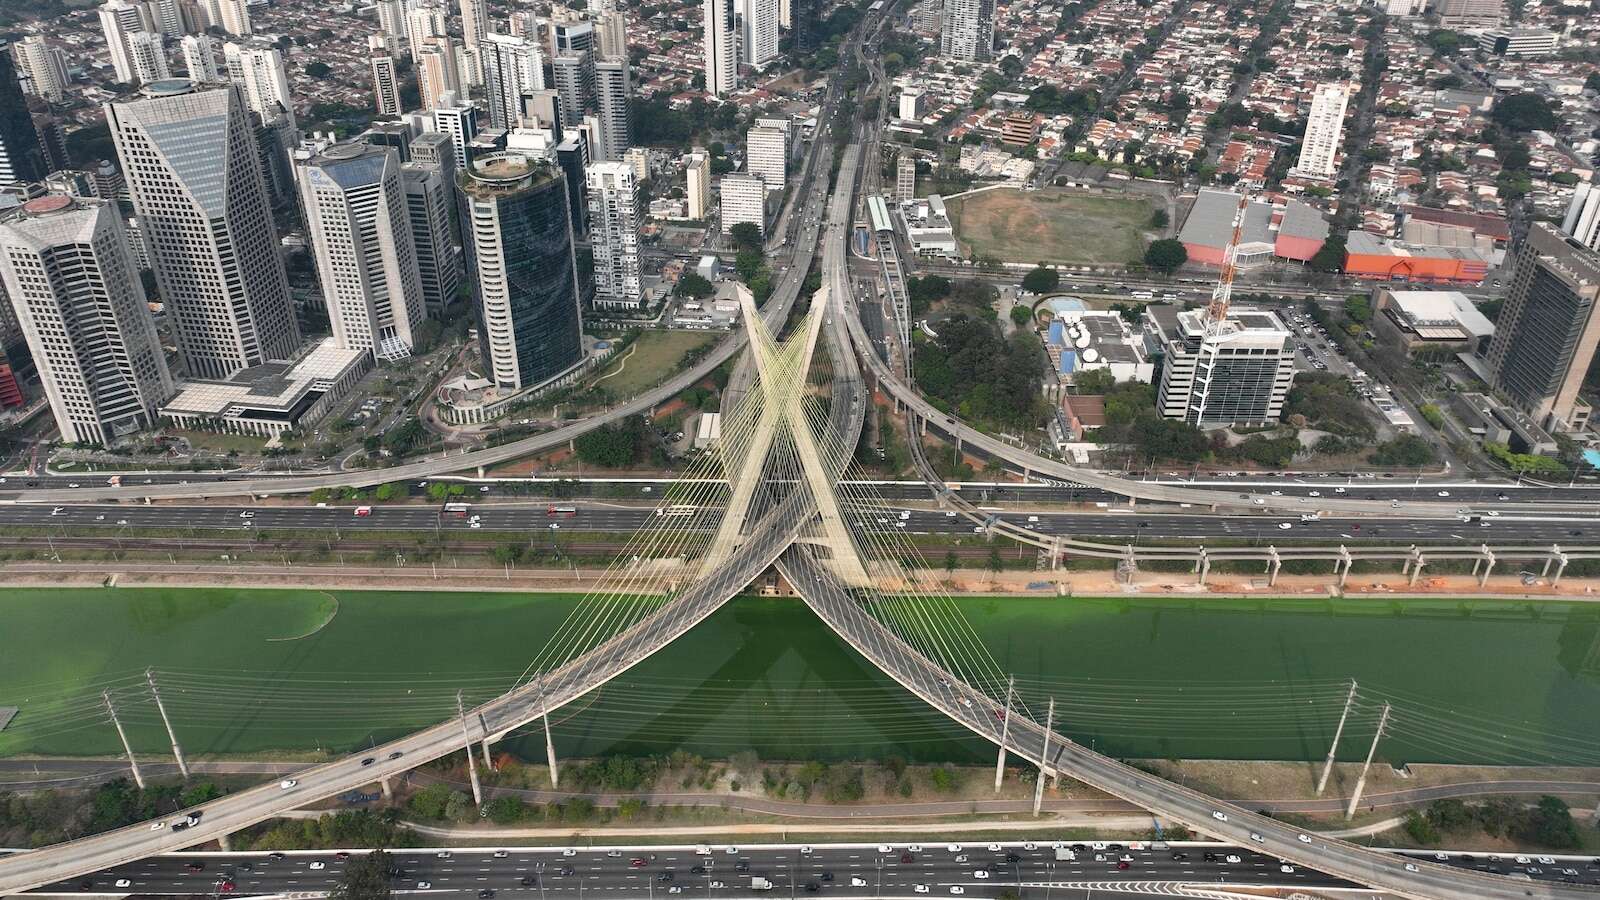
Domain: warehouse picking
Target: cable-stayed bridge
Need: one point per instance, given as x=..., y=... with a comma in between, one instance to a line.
x=770, y=495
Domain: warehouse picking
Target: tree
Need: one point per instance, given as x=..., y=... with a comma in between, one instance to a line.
x=1524, y=112
x=612, y=446
x=694, y=286
x=1158, y=219
x=1041, y=280
x=364, y=877
x=1022, y=316
x=1166, y=255
x=317, y=69
x=1407, y=450
x=1548, y=824
x=748, y=264
x=949, y=563
x=1358, y=307
x=1420, y=829
x=746, y=236
x=1330, y=256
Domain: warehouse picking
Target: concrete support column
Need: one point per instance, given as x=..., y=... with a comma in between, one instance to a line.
x=388, y=787
x=1488, y=561
x=1044, y=758
x=472, y=762
x=1005, y=733
x=1273, y=566
x=1055, y=554
x=1417, y=562
x=224, y=843
x=1555, y=552
x=1205, y=566
x=1561, y=566
x=481, y=472
x=1347, y=561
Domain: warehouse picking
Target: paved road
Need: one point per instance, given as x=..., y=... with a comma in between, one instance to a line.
x=606, y=516
x=839, y=870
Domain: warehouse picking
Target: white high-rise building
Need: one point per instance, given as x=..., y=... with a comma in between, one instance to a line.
x=147, y=52
x=385, y=77
x=744, y=199
x=235, y=17
x=392, y=24
x=259, y=72
x=785, y=14
x=118, y=20
x=759, y=31
x=458, y=119
x=167, y=17
x=697, y=184
x=474, y=21
x=614, y=221
x=721, y=47
x=1237, y=373
x=1324, y=128
x=200, y=57
x=76, y=293
x=424, y=19
x=1582, y=221
x=905, y=178
x=428, y=191
x=360, y=232
x=191, y=161
x=574, y=83
x=767, y=156
x=611, y=93
x=611, y=29
x=437, y=73
x=45, y=66
x=512, y=67
x=968, y=29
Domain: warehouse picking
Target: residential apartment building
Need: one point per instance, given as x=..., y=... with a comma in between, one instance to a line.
x=721, y=47
x=614, y=220
x=767, y=155
x=968, y=30
x=744, y=199
x=697, y=183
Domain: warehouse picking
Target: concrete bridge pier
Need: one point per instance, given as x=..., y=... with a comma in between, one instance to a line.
x=1487, y=561
x=1203, y=565
x=1417, y=562
x=1275, y=563
x=481, y=472
x=1343, y=564
x=1055, y=553
x=224, y=843
x=1561, y=566
x=387, y=786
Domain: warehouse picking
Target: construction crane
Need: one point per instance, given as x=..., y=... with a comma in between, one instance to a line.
x=1217, y=309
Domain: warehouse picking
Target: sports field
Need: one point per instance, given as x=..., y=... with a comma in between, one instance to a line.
x=1052, y=226
x=252, y=671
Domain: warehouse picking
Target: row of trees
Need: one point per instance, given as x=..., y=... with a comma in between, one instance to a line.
x=971, y=368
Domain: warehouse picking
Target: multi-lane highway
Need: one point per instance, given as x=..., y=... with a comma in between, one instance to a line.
x=524, y=518
x=841, y=870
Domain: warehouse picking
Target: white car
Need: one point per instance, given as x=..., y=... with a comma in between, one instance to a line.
x=1257, y=838
x=1303, y=838
x=920, y=888
x=1412, y=867
x=157, y=826
x=1219, y=815
x=569, y=852
x=1546, y=861
x=554, y=526
x=424, y=885
x=442, y=854
x=857, y=881
x=954, y=848
x=317, y=865
x=287, y=783
x=1444, y=493
x=732, y=851
x=1286, y=869
x=994, y=848
x=1284, y=526
x=885, y=848
x=957, y=889
x=980, y=873
x=1232, y=858
x=502, y=854
x=675, y=889
x=914, y=848
x=247, y=514
x=1314, y=494
x=123, y=882
x=1029, y=846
